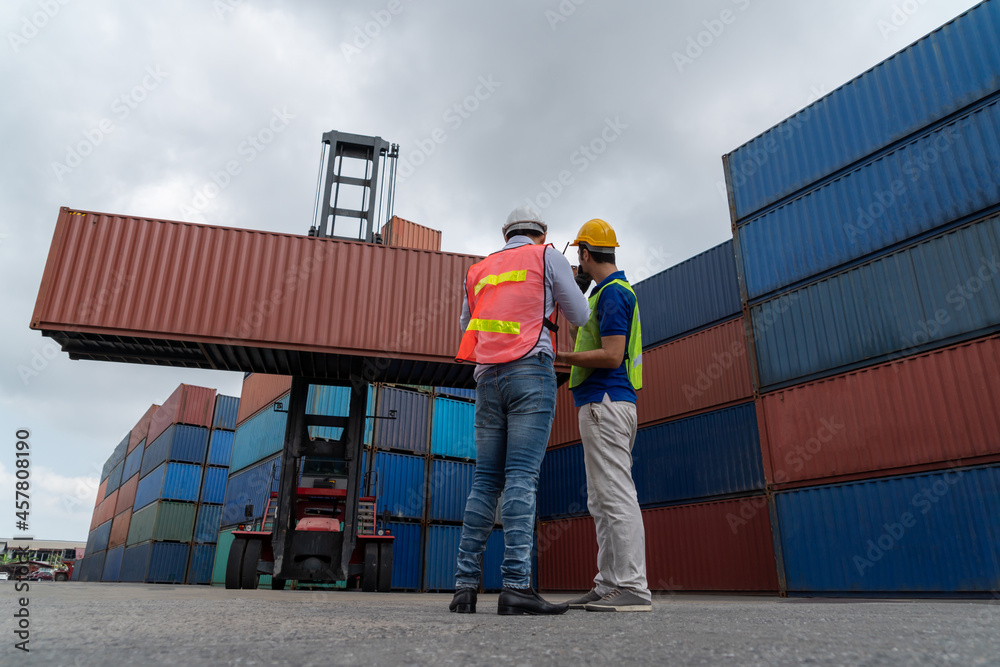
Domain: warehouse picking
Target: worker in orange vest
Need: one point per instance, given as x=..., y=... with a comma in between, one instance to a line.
x=507, y=322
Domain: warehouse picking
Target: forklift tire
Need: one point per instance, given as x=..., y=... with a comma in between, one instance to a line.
x=248, y=577
x=277, y=584
x=234, y=564
x=385, y=567
x=369, y=580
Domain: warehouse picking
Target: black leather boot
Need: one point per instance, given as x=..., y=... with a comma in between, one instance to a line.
x=464, y=601
x=516, y=601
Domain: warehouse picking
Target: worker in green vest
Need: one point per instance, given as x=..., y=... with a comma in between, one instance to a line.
x=607, y=371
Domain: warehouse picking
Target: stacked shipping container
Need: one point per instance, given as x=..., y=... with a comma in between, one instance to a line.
x=696, y=458
x=170, y=487
x=868, y=245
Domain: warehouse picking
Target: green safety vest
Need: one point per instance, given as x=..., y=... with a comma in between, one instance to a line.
x=589, y=338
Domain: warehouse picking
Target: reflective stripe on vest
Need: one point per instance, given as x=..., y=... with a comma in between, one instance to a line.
x=506, y=295
x=589, y=338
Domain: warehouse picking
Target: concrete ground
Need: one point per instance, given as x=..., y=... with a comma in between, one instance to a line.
x=132, y=624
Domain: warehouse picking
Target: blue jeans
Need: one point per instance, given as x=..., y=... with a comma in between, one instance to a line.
x=515, y=404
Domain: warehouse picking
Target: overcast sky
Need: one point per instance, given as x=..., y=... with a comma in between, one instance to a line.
x=130, y=108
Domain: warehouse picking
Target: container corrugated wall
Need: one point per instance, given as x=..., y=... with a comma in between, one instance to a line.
x=929, y=533
x=441, y=557
x=187, y=444
x=935, y=179
x=493, y=559
x=259, y=391
x=202, y=563
x=98, y=538
x=187, y=404
x=226, y=409
x=948, y=69
x=562, y=483
x=714, y=546
x=167, y=521
x=113, y=564
x=450, y=484
x=101, y=492
x=695, y=373
x=168, y=562
x=135, y=563
x=899, y=304
x=257, y=438
x=220, y=448
x=93, y=566
x=170, y=481
x=114, y=478
x=141, y=429
x=119, y=529
x=407, y=556
x=126, y=495
x=408, y=431
x=931, y=408
x=206, y=528
x=453, y=430
x=213, y=489
x=405, y=234
x=714, y=454
x=467, y=394
x=328, y=400
x=689, y=296
x=250, y=487
x=400, y=484
x=133, y=462
x=565, y=422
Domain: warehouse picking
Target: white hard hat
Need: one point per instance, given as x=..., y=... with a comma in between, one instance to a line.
x=525, y=218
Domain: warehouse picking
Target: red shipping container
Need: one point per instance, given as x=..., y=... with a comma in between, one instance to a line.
x=101, y=490
x=119, y=529
x=893, y=418
x=259, y=391
x=708, y=370
x=108, y=507
x=141, y=429
x=405, y=234
x=126, y=494
x=95, y=516
x=187, y=405
x=715, y=546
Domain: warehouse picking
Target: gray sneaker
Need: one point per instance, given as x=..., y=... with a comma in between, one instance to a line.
x=619, y=600
x=582, y=601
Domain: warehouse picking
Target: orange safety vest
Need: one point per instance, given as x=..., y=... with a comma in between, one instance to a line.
x=506, y=293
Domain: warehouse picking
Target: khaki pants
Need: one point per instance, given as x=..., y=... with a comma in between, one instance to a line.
x=608, y=431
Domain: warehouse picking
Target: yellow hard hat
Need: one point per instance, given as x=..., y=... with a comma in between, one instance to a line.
x=597, y=234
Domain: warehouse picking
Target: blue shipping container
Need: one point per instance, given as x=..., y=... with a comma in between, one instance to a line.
x=220, y=448
x=118, y=455
x=451, y=482
x=170, y=481
x=113, y=564
x=714, y=454
x=928, y=295
x=408, y=431
x=250, y=487
x=406, y=555
x=213, y=489
x=155, y=562
x=562, y=483
x=938, y=75
x=929, y=533
x=467, y=394
x=441, y=557
x=226, y=409
x=206, y=528
x=202, y=562
x=453, y=431
x=258, y=438
x=934, y=179
x=187, y=444
x=114, y=479
x=93, y=566
x=97, y=540
x=135, y=563
x=330, y=401
x=400, y=484
x=133, y=462
x=689, y=296
x=492, y=560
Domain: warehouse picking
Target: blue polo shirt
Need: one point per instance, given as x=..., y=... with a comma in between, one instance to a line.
x=614, y=317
